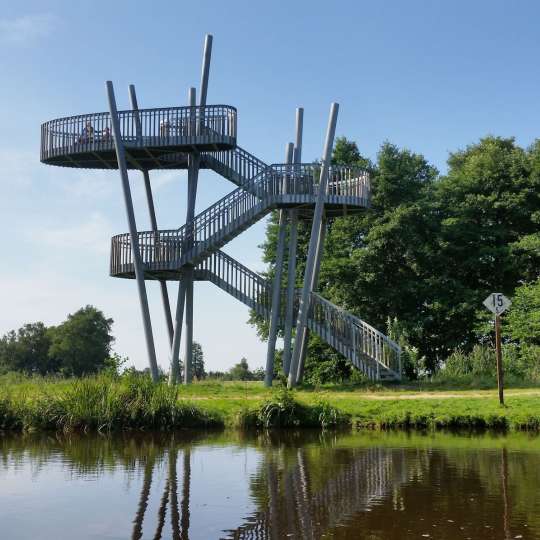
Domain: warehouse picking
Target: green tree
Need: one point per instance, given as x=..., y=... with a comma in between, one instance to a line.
x=240, y=371
x=27, y=350
x=431, y=248
x=198, y=362
x=82, y=344
x=488, y=203
x=522, y=322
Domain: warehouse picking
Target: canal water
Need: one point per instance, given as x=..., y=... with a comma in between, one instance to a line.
x=304, y=485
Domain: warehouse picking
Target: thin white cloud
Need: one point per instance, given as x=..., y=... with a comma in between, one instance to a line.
x=27, y=28
x=89, y=236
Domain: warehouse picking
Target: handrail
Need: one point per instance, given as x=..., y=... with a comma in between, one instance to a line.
x=165, y=126
x=354, y=336
x=358, y=334
x=238, y=165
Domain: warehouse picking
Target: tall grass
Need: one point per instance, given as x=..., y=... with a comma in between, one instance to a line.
x=133, y=402
x=104, y=404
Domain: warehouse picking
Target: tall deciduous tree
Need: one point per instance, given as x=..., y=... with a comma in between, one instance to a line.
x=431, y=248
x=82, y=344
x=198, y=361
x=27, y=350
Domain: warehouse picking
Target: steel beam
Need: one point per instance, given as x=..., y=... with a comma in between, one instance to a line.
x=137, y=262
x=174, y=368
x=205, y=72
x=194, y=162
x=193, y=175
x=303, y=310
x=276, y=286
x=305, y=337
x=152, y=213
x=293, y=242
x=291, y=289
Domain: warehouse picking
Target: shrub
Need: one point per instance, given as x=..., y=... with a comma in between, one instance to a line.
x=283, y=411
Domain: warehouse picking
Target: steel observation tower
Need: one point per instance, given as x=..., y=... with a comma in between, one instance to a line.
x=201, y=136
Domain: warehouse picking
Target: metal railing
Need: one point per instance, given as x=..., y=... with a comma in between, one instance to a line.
x=228, y=216
x=367, y=348
x=236, y=279
x=352, y=333
x=169, y=126
x=237, y=165
x=304, y=179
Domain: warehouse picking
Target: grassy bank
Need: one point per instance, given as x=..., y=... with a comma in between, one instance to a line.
x=134, y=403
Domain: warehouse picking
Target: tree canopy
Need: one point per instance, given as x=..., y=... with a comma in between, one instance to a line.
x=432, y=247
x=81, y=345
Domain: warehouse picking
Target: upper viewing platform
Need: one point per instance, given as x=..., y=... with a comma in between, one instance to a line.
x=154, y=138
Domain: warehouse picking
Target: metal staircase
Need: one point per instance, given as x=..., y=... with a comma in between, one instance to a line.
x=275, y=186
x=370, y=351
x=237, y=165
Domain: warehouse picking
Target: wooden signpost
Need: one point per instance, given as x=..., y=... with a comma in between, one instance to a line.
x=497, y=303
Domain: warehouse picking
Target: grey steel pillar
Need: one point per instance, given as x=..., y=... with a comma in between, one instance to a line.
x=187, y=277
x=205, y=72
x=174, y=368
x=137, y=262
x=193, y=177
x=152, y=213
x=276, y=287
x=305, y=339
x=293, y=242
x=303, y=309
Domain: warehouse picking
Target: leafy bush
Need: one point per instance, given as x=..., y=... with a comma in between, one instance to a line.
x=283, y=411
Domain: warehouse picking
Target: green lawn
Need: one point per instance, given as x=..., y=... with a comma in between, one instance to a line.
x=135, y=403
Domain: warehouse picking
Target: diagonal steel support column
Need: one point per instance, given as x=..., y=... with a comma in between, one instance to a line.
x=193, y=177
x=303, y=310
x=305, y=339
x=137, y=262
x=276, y=286
x=174, y=369
x=152, y=213
x=293, y=243
x=187, y=277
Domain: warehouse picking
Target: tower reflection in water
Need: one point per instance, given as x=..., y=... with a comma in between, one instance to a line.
x=297, y=492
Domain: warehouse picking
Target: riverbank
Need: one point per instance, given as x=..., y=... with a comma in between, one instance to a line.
x=134, y=403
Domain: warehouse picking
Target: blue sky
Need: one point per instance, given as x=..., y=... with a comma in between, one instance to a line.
x=430, y=76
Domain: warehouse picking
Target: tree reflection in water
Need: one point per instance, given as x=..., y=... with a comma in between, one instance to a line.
x=310, y=485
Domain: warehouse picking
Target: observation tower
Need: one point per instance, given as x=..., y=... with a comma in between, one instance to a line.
x=201, y=136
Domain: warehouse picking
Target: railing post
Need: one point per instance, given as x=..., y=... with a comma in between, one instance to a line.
x=377, y=357
x=137, y=262
x=312, y=251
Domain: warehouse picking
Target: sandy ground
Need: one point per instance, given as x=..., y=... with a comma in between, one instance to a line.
x=398, y=395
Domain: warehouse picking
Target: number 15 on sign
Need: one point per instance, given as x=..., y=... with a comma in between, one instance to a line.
x=497, y=303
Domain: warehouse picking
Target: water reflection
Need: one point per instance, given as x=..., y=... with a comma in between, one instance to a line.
x=269, y=486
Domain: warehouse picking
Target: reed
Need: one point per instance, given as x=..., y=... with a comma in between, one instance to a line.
x=133, y=402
